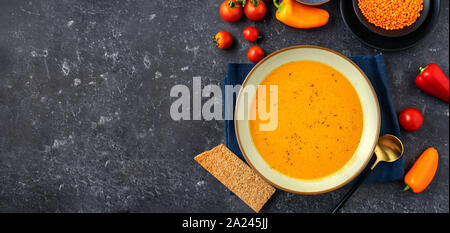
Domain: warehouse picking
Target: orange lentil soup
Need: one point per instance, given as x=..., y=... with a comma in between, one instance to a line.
x=320, y=121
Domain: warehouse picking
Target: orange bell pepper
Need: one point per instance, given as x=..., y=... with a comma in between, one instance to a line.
x=297, y=15
x=422, y=172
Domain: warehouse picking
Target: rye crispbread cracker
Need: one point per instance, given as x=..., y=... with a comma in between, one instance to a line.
x=236, y=176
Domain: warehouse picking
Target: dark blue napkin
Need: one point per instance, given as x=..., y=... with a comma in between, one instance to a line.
x=375, y=69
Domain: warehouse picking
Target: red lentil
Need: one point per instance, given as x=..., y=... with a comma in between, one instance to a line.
x=391, y=14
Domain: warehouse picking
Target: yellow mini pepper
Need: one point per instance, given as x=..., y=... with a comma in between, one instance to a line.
x=422, y=172
x=297, y=15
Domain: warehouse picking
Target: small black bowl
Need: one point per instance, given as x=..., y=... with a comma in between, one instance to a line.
x=385, y=43
x=393, y=33
x=313, y=2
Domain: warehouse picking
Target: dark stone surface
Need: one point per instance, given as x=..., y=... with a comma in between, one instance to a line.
x=84, y=107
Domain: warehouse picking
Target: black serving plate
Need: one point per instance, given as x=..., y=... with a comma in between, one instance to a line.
x=384, y=42
x=393, y=33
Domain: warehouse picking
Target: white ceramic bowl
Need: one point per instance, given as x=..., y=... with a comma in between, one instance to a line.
x=371, y=120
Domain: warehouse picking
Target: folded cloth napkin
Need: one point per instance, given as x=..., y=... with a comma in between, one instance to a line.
x=375, y=69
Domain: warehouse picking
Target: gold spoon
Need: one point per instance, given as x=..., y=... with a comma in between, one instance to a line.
x=388, y=149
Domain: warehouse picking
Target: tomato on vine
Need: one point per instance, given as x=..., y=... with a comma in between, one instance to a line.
x=231, y=10
x=255, y=9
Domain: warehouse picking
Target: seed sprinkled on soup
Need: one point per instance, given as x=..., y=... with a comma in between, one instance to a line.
x=320, y=121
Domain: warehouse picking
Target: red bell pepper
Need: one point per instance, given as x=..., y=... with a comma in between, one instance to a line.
x=433, y=81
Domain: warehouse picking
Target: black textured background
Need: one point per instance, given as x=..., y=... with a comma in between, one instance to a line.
x=84, y=107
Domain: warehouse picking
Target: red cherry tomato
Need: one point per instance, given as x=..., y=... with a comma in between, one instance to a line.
x=255, y=54
x=230, y=11
x=251, y=34
x=223, y=40
x=410, y=119
x=255, y=10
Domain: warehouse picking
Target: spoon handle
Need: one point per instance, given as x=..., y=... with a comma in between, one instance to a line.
x=352, y=190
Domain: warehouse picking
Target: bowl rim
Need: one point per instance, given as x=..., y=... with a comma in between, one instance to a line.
x=371, y=151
